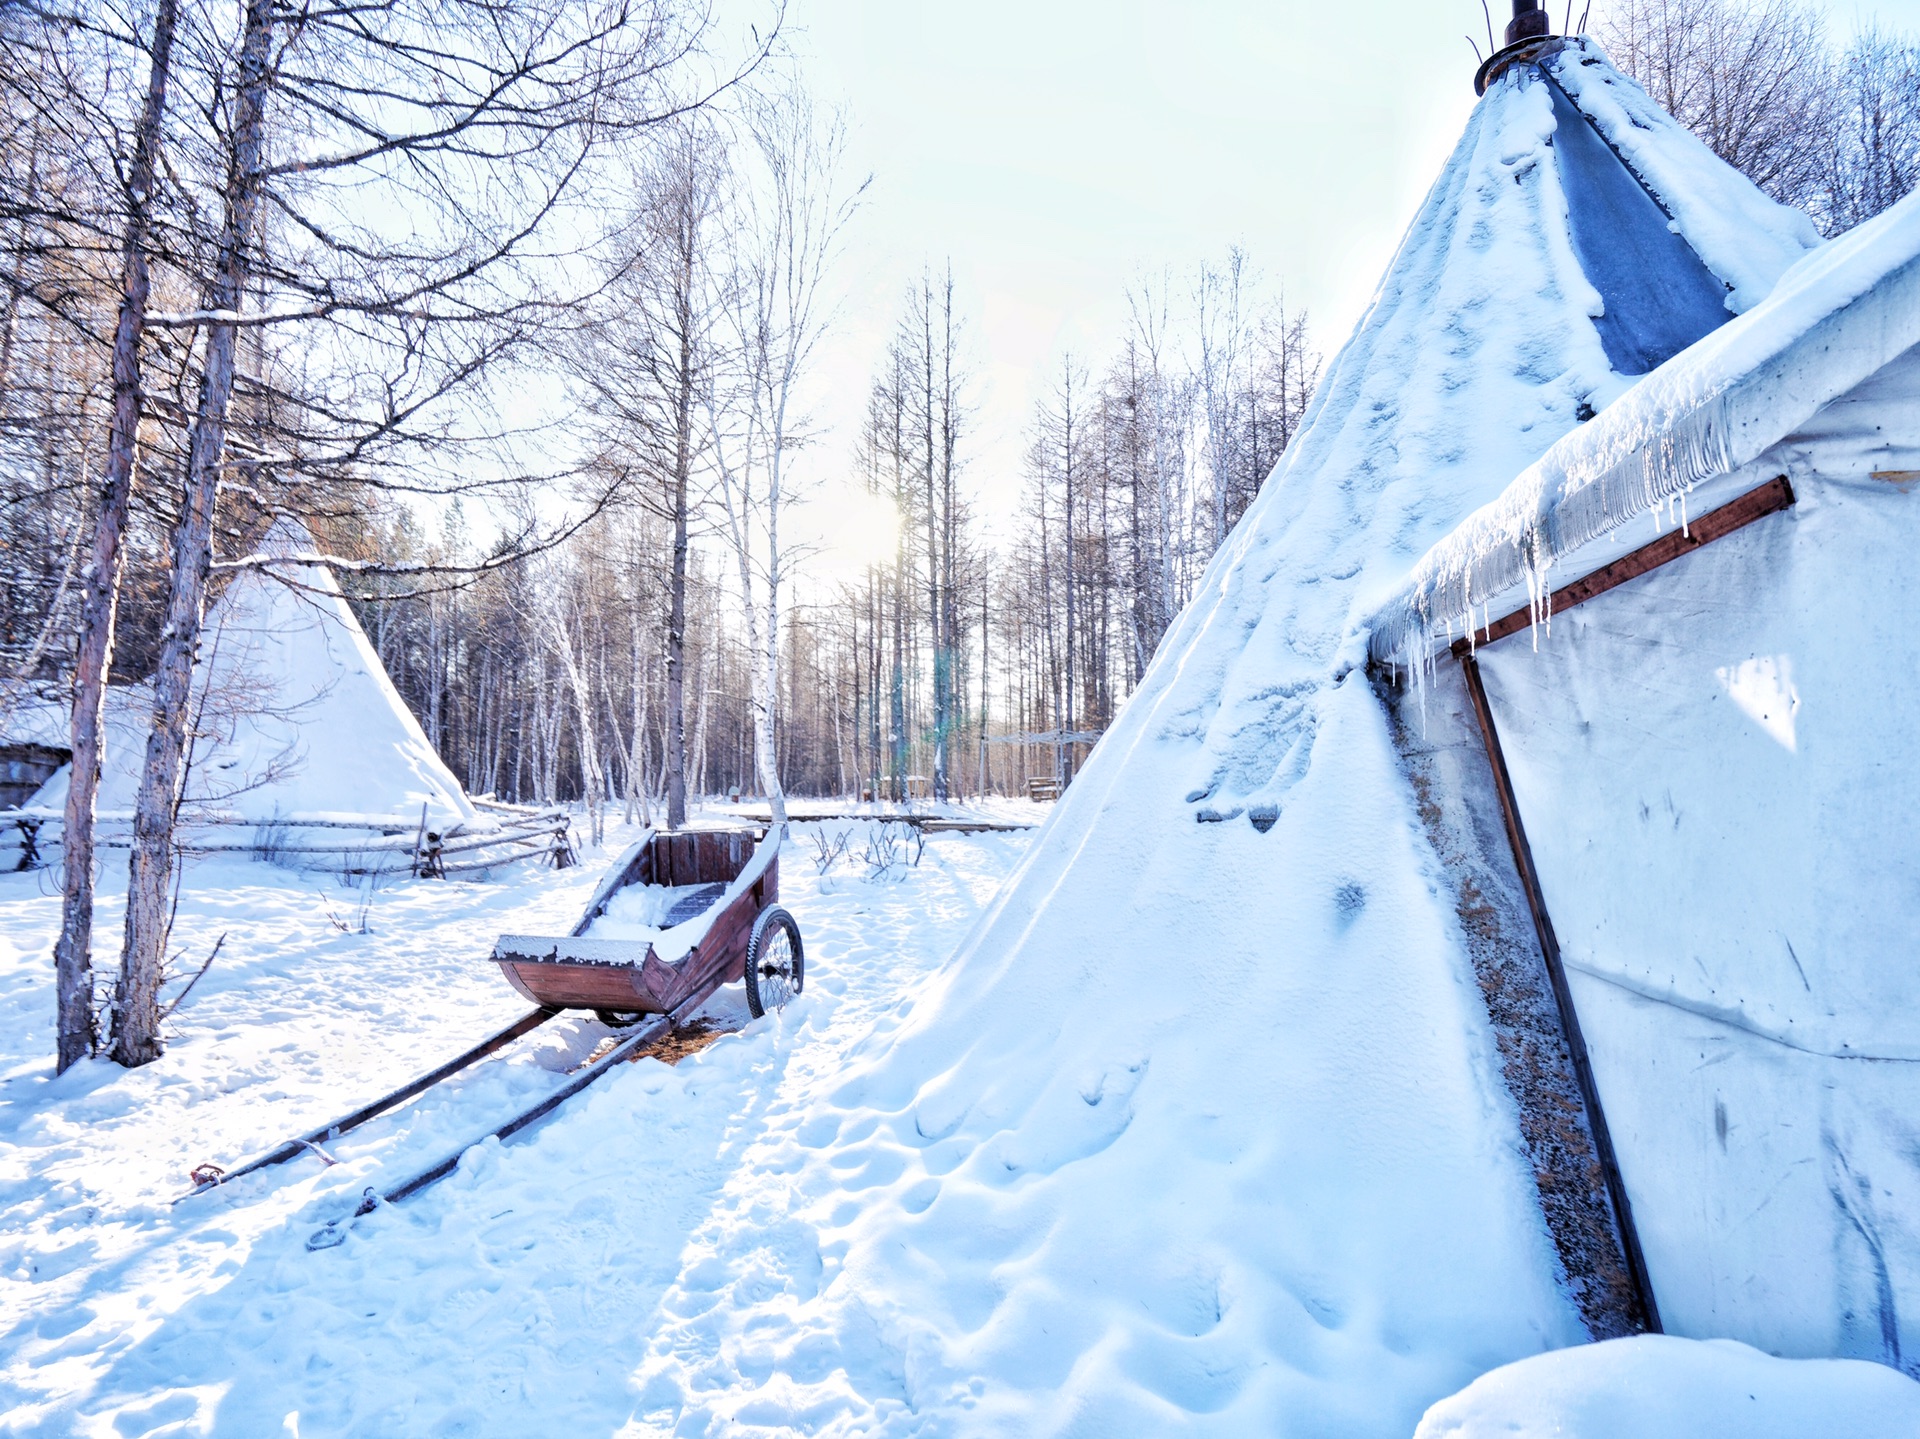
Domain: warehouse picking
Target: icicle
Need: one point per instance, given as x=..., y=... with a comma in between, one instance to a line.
x=1704, y=415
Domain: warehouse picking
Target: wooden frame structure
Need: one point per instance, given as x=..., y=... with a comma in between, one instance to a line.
x=389, y=845
x=1563, y=999
x=1775, y=495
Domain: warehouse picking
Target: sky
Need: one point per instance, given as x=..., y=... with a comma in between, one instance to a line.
x=1057, y=152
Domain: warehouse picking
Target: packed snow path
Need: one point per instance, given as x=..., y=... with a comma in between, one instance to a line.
x=520, y=1295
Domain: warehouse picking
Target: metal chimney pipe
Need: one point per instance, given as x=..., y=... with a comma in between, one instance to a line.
x=1529, y=22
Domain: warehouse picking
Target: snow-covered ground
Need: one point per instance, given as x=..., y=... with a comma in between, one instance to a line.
x=519, y=1296
x=1659, y=1387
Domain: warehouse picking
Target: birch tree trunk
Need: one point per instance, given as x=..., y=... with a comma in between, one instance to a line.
x=637, y=800
x=780, y=316
x=677, y=599
x=72, y=955
x=766, y=759
x=136, y=1010
x=705, y=686
x=593, y=784
x=580, y=689
x=930, y=475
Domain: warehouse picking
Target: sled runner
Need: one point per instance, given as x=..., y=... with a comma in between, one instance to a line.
x=679, y=915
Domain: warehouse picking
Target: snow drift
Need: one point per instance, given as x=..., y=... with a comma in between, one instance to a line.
x=1654, y=1387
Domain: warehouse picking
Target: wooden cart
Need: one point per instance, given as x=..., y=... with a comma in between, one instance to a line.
x=722, y=924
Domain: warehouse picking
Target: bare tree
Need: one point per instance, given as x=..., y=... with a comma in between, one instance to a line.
x=1154, y=405
x=796, y=212
x=649, y=357
x=560, y=622
x=1059, y=462
x=1221, y=332
x=73, y=967
x=426, y=161
x=1752, y=80
x=136, y=1009
x=928, y=351
x=1873, y=159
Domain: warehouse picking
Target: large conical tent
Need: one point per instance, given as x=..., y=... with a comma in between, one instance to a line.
x=1204, y=1128
x=295, y=718
x=1704, y=700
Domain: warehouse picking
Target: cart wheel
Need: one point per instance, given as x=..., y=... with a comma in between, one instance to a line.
x=776, y=965
x=619, y=1018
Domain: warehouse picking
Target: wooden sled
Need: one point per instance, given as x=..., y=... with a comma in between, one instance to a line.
x=721, y=924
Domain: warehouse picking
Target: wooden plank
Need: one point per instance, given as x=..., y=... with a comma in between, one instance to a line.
x=658, y=980
x=1770, y=498
x=728, y=942
x=488, y=864
x=562, y=984
x=1562, y=994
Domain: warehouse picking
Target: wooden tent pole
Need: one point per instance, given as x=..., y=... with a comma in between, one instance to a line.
x=1563, y=997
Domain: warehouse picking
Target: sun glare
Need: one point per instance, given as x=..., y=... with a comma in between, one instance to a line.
x=857, y=529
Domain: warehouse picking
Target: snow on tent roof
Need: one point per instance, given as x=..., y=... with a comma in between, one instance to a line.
x=1838, y=317
x=297, y=717
x=1656, y=297
x=31, y=718
x=1745, y=239
x=1202, y=1126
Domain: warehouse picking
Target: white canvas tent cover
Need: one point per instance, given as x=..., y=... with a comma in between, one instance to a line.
x=1202, y=1130
x=296, y=718
x=1713, y=766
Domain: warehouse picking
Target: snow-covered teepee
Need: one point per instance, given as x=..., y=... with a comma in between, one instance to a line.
x=1205, y=1128
x=295, y=718
x=299, y=715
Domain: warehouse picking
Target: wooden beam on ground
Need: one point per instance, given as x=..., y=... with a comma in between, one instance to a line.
x=931, y=823
x=333, y=1129
x=1078, y=736
x=1775, y=495
x=334, y=1232
x=1562, y=995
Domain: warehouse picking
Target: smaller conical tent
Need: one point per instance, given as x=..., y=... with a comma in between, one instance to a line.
x=295, y=717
